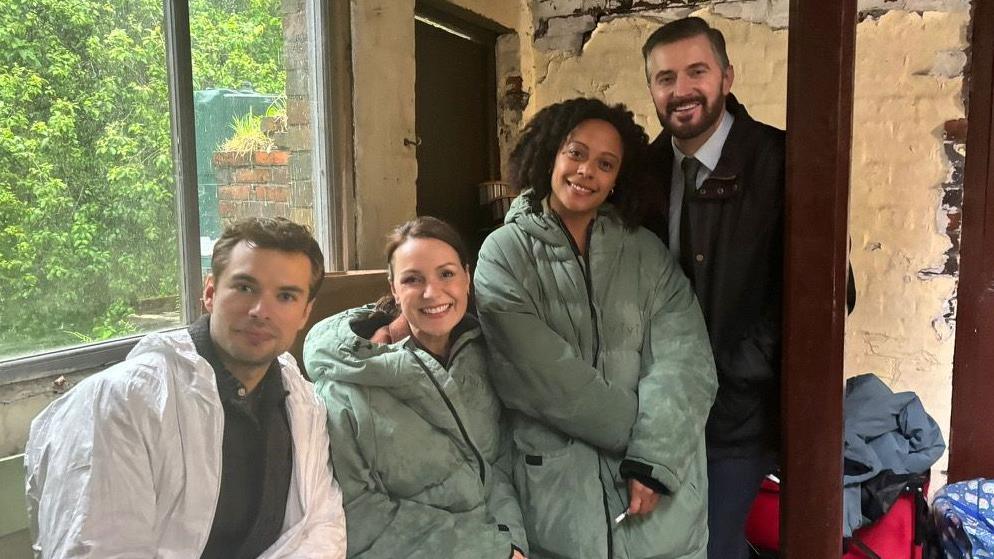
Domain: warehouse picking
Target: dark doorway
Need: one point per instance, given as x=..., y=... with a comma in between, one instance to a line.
x=455, y=115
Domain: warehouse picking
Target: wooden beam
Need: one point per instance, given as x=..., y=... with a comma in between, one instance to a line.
x=971, y=451
x=820, y=68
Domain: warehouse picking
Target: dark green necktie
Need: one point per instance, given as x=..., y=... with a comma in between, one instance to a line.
x=690, y=167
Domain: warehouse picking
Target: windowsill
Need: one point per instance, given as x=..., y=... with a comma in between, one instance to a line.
x=65, y=361
x=338, y=288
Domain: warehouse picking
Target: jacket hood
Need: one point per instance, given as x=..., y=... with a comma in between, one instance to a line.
x=339, y=348
x=176, y=342
x=545, y=225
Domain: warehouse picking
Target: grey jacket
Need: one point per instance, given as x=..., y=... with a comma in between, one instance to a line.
x=602, y=358
x=417, y=444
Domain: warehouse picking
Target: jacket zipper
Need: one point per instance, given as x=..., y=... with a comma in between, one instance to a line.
x=590, y=296
x=585, y=268
x=452, y=410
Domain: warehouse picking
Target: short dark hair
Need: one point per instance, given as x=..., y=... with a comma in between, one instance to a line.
x=535, y=154
x=686, y=28
x=276, y=233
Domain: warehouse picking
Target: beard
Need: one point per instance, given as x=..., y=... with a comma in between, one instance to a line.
x=710, y=113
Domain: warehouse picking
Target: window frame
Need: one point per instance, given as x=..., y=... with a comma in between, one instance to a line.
x=334, y=229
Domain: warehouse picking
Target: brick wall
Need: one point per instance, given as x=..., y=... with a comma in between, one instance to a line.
x=299, y=134
x=253, y=184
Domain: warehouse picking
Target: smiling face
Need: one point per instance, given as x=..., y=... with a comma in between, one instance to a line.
x=688, y=88
x=431, y=287
x=257, y=306
x=586, y=169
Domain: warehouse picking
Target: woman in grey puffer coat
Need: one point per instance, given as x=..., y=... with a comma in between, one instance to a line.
x=598, y=347
x=415, y=425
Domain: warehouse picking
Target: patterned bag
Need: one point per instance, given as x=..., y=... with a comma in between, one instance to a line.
x=963, y=516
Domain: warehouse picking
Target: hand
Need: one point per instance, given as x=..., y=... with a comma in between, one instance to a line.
x=518, y=555
x=641, y=499
x=381, y=336
x=399, y=328
x=393, y=332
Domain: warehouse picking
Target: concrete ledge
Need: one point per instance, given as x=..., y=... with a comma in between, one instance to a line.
x=13, y=514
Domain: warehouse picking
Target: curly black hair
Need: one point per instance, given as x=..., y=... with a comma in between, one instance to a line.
x=535, y=154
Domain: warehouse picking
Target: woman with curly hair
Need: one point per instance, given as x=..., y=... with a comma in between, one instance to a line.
x=598, y=347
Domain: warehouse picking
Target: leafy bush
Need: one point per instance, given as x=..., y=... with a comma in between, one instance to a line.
x=87, y=207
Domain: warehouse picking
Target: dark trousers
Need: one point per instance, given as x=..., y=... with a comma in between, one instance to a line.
x=732, y=486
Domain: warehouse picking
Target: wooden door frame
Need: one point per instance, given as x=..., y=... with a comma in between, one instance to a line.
x=484, y=32
x=971, y=452
x=820, y=77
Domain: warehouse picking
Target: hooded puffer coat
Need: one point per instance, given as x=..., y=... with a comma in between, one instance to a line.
x=416, y=444
x=602, y=357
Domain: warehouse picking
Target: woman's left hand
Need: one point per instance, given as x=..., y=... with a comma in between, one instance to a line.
x=641, y=499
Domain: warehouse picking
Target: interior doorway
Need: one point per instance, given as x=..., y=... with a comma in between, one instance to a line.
x=455, y=121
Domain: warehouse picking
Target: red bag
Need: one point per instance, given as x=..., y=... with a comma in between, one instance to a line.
x=763, y=522
x=896, y=535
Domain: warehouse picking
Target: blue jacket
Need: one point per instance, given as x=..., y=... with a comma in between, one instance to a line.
x=884, y=431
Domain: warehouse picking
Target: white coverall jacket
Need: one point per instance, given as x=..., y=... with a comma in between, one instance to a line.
x=128, y=463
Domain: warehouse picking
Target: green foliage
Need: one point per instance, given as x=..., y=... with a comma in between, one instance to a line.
x=248, y=135
x=87, y=208
x=237, y=41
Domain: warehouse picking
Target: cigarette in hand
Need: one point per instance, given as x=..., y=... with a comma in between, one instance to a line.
x=621, y=517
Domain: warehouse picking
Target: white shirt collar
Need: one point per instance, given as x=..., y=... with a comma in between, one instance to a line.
x=710, y=152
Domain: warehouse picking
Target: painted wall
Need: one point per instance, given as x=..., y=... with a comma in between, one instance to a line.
x=904, y=203
x=908, y=84
x=385, y=168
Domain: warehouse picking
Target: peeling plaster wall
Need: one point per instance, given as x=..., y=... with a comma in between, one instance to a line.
x=384, y=75
x=907, y=174
x=21, y=402
x=908, y=84
x=515, y=83
x=760, y=67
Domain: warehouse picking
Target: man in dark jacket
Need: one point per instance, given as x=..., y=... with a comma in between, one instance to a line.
x=720, y=211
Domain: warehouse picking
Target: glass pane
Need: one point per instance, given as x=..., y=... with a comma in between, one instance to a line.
x=252, y=83
x=88, y=246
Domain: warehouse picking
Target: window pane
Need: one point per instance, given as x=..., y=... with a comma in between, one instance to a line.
x=88, y=247
x=253, y=111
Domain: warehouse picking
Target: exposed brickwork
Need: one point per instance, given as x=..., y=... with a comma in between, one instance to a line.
x=297, y=136
x=271, y=157
x=254, y=184
x=251, y=175
x=277, y=182
x=951, y=207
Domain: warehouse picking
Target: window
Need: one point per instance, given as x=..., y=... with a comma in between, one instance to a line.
x=98, y=238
